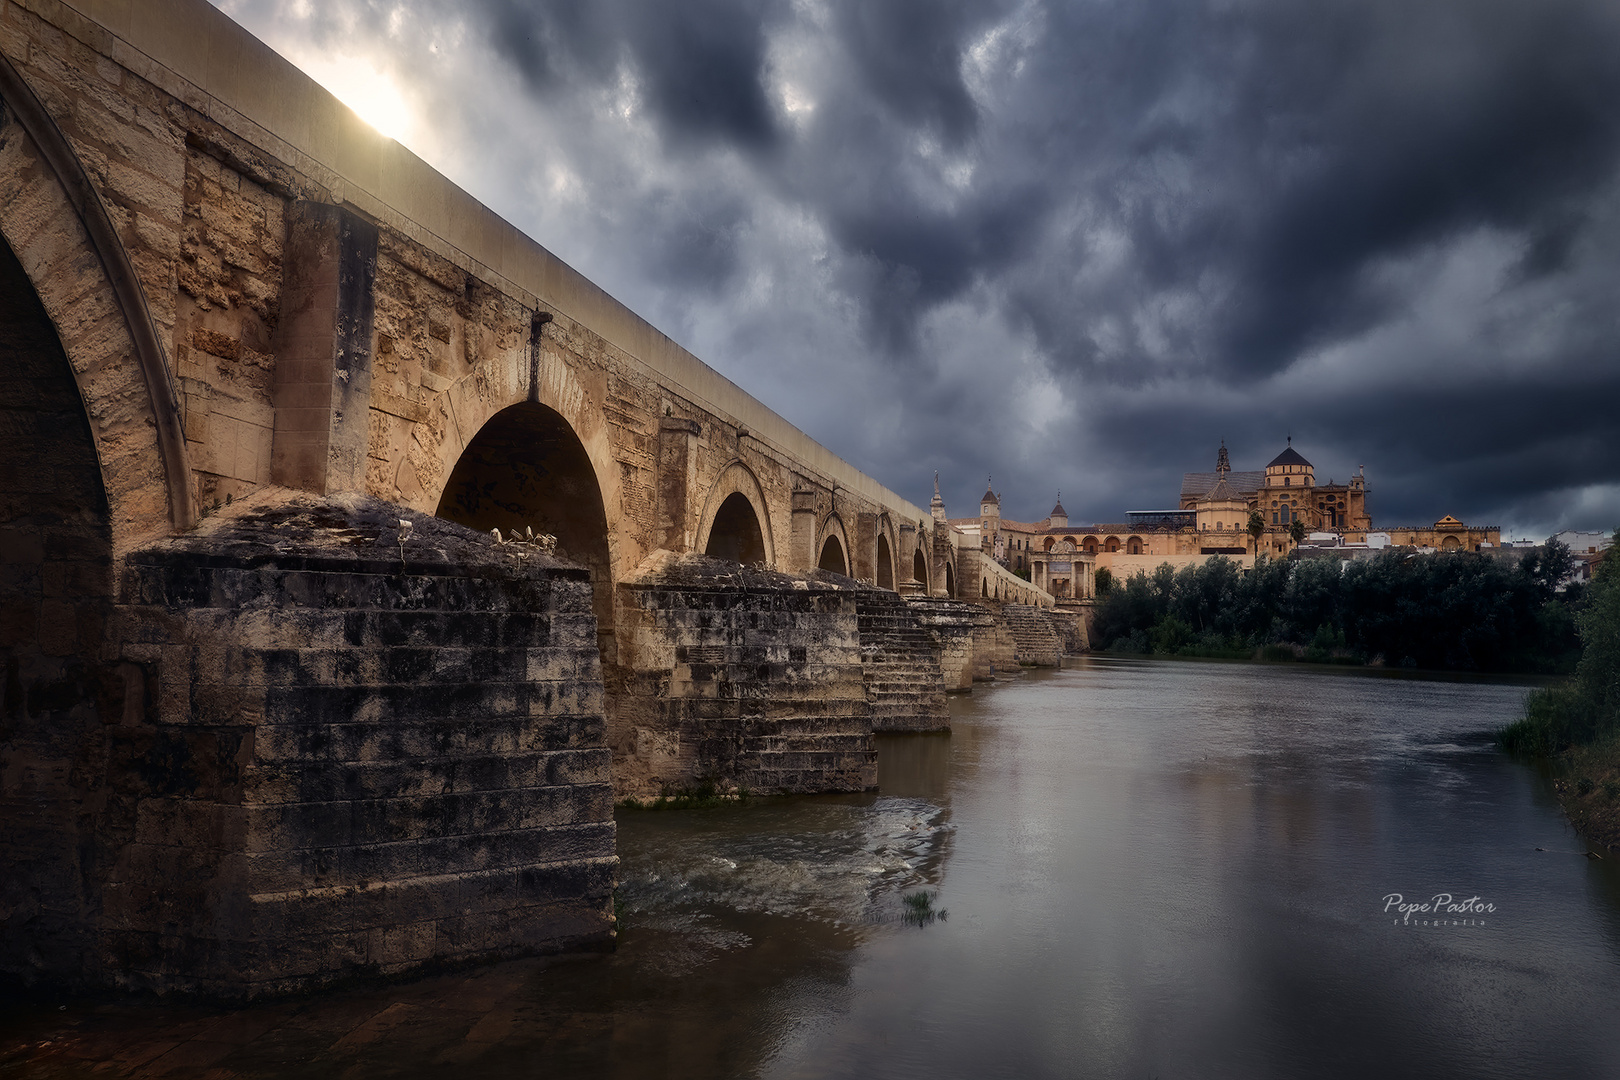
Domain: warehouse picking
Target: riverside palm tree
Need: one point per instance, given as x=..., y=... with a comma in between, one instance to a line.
x=1257, y=527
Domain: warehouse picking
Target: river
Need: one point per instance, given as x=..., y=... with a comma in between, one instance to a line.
x=1121, y=869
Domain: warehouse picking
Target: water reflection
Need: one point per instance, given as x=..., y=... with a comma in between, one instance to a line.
x=1170, y=869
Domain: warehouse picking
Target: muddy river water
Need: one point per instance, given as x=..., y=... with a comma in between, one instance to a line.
x=1122, y=869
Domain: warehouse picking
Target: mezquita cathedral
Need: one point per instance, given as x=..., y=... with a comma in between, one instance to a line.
x=1212, y=517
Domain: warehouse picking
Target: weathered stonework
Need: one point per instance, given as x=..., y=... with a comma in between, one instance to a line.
x=902, y=665
x=326, y=754
x=1036, y=641
x=1073, y=631
x=741, y=678
x=954, y=625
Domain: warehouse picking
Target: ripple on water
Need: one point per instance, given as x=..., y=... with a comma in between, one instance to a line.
x=847, y=870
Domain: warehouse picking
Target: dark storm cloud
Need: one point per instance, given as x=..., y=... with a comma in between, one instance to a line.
x=1074, y=244
x=909, y=57
x=1311, y=141
x=700, y=61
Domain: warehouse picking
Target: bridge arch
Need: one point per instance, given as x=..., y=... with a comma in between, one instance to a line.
x=61, y=238
x=833, y=547
x=919, y=566
x=64, y=701
x=466, y=409
x=526, y=467
x=736, y=525
x=950, y=581
x=886, y=566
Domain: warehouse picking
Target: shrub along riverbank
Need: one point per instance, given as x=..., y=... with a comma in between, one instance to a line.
x=1460, y=611
x=1576, y=724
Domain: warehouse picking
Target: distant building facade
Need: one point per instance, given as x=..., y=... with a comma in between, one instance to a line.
x=1211, y=518
x=1046, y=553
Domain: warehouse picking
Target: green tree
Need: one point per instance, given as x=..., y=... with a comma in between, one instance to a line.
x=1257, y=528
x=1548, y=567
x=1585, y=709
x=1296, y=531
x=1105, y=581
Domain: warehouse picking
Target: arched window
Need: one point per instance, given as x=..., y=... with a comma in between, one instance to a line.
x=1287, y=481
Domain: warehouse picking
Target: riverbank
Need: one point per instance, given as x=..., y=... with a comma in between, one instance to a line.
x=1265, y=658
x=1589, y=792
x=1325, y=656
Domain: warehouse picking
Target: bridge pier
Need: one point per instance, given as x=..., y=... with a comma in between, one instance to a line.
x=356, y=754
x=739, y=677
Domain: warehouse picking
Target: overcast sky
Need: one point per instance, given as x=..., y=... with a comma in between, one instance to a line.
x=1073, y=245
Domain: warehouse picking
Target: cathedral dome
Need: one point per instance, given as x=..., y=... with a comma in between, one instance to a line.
x=1289, y=456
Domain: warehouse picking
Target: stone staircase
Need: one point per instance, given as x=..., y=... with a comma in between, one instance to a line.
x=739, y=677
x=976, y=644
x=1038, y=643
x=1069, y=620
x=901, y=666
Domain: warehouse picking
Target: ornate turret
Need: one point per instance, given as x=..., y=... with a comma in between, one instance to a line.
x=938, y=504
x=1059, y=517
x=1221, y=510
x=990, y=519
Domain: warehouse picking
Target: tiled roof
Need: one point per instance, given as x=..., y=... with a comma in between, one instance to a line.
x=1289, y=456
x=1222, y=492
x=1244, y=483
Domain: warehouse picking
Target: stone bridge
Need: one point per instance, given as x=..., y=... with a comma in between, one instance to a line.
x=278, y=707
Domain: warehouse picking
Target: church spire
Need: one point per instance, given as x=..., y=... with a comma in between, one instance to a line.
x=1223, y=464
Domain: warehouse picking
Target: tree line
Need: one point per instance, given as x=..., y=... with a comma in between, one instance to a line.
x=1583, y=710
x=1462, y=611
